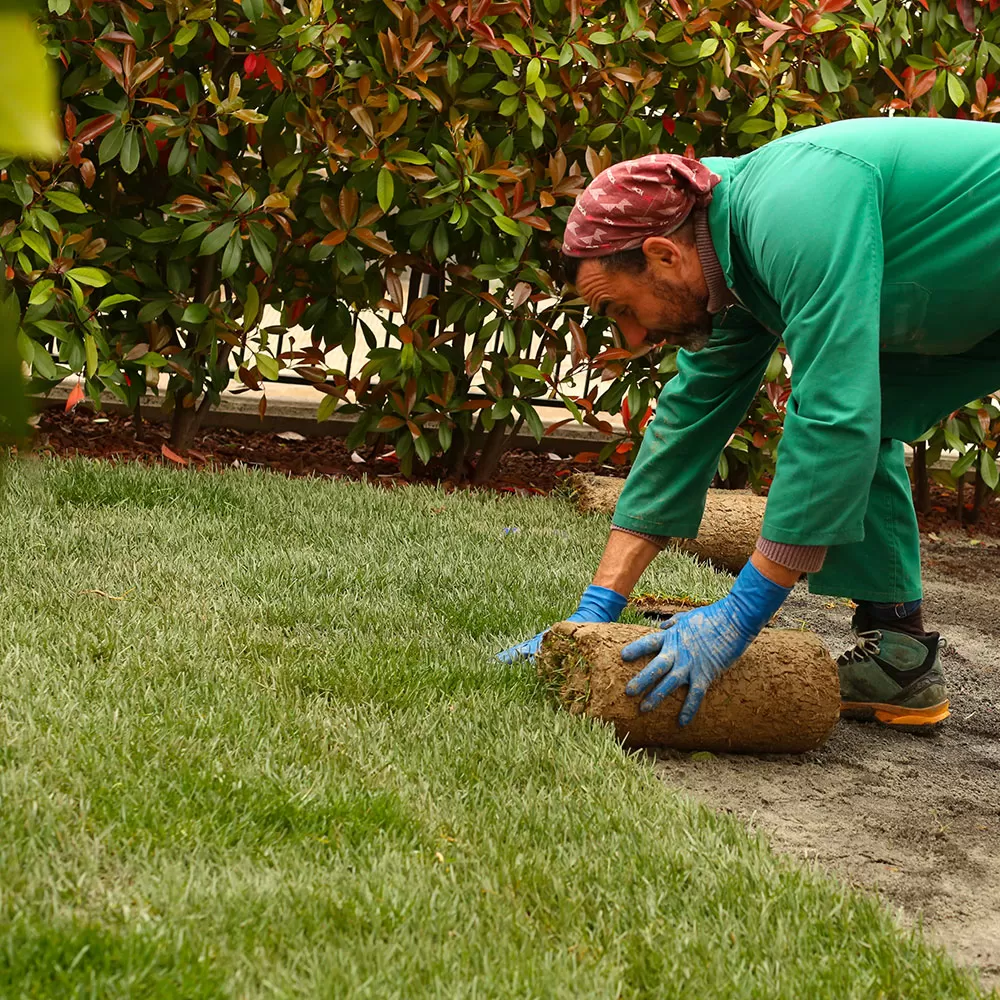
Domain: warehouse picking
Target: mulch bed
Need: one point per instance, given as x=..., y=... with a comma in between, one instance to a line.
x=111, y=437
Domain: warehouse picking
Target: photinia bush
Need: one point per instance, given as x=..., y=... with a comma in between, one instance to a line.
x=393, y=177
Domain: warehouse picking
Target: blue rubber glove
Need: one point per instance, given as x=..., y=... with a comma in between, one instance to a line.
x=598, y=604
x=696, y=647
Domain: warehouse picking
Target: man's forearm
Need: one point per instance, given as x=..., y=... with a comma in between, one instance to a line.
x=625, y=559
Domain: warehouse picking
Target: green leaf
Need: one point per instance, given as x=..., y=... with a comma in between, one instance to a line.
x=601, y=133
x=9, y=318
x=90, y=350
x=509, y=106
x=233, y=255
x=29, y=109
x=602, y=38
x=535, y=112
x=956, y=90
x=423, y=448
x=196, y=312
x=444, y=436
x=532, y=419
x=186, y=34
x=41, y=292
x=92, y=276
x=251, y=307
x=130, y=151
x=828, y=75
x=115, y=300
x=988, y=470
x=111, y=144
x=526, y=371
x=410, y=156
x=260, y=249
x=507, y=225
x=151, y=310
x=221, y=35
x=178, y=156
x=708, y=48
x=754, y=125
x=326, y=408
x=39, y=244
x=440, y=244
x=386, y=189
x=43, y=362
x=533, y=71
x=267, y=366
x=67, y=201
x=518, y=44
x=161, y=234
x=504, y=62
x=216, y=239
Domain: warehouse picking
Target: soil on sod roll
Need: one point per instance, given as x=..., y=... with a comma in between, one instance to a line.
x=781, y=696
x=728, y=532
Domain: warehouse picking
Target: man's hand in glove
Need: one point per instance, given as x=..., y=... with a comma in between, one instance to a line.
x=696, y=647
x=598, y=604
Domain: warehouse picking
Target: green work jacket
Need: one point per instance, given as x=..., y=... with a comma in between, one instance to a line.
x=857, y=243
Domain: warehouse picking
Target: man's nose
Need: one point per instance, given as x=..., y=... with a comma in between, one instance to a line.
x=633, y=332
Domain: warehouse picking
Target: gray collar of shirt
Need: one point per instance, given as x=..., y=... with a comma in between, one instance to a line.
x=720, y=296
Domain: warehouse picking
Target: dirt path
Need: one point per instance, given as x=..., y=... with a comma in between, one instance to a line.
x=915, y=818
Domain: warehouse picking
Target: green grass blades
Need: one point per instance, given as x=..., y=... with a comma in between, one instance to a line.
x=254, y=743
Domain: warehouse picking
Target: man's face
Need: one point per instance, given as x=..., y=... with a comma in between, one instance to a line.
x=666, y=302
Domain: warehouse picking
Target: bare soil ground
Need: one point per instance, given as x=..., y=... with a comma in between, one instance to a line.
x=914, y=818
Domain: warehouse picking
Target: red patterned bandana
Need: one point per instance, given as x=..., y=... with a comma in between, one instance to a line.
x=633, y=200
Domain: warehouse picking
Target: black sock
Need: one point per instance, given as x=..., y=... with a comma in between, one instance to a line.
x=901, y=617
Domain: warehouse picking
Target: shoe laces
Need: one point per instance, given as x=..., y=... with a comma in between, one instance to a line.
x=866, y=647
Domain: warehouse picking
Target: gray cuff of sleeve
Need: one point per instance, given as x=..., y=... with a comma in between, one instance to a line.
x=804, y=558
x=660, y=541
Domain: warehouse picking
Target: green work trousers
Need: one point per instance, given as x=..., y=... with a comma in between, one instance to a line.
x=917, y=391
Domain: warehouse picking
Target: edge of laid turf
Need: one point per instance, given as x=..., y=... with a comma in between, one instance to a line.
x=254, y=743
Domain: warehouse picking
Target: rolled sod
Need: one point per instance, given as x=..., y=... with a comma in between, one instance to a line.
x=781, y=696
x=728, y=532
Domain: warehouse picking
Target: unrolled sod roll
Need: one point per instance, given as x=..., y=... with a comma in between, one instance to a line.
x=781, y=696
x=728, y=532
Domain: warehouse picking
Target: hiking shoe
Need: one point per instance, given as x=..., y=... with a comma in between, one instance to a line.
x=894, y=678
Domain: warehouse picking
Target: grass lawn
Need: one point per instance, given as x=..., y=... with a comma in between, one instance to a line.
x=285, y=764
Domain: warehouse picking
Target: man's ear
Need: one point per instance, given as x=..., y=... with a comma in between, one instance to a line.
x=661, y=251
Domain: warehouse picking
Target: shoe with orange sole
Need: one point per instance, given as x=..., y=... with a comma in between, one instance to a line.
x=894, y=678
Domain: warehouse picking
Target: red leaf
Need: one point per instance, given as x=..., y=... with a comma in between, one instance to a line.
x=579, y=352
x=522, y=292
x=111, y=61
x=69, y=120
x=552, y=428
x=968, y=18
x=769, y=22
x=76, y=394
x=172, y=455
x=277, y=80
x=924, y=84
x=97, y=127
x=587, y=457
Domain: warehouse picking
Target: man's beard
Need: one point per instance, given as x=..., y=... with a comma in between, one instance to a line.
x=693, y=337
x=689, y=334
